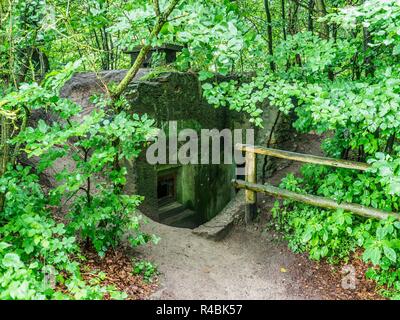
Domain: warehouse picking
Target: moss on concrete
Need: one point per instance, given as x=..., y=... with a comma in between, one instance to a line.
x=175, y=96
x=167, y=95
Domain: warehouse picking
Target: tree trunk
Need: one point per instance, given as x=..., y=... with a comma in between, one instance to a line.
x=311, y=4
x=269, y=32
x=283, y=19
x=321, y=8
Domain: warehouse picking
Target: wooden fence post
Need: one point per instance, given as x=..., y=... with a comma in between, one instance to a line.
x=317, y=201
x=251, y=196
x=251, y=187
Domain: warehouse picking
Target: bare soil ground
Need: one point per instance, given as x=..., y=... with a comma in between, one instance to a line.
x=248, y=264
x=242, y=266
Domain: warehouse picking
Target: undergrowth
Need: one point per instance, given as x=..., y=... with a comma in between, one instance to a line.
x=335, y=235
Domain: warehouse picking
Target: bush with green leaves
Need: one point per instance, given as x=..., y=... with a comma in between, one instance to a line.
x=335, y=235
x=38, y=257
x=92, y=189
x=145, y=268
x=341, y=82
x=98, y=144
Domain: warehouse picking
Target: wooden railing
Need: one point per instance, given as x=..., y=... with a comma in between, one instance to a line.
x=251, y=187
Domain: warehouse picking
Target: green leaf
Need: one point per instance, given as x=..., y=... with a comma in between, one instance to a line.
x=45, y=243
x=395, y=243
x=390, y=254
x=306, y=236
x=19, y=290
x=381, y=233
x=12, y=260
x=4, y=245
x=373, y=254
x=207, y=86
x=204, y=75
x=396, y=50
x=395, y=188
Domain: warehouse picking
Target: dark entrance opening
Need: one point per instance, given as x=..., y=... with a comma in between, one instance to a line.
x=166, y=189
x=170, y=211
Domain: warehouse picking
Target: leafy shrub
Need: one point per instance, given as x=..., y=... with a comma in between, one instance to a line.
x=145, y=268
x=99, y=144
x=334, y=235
x=37, y=255
x=33, y=245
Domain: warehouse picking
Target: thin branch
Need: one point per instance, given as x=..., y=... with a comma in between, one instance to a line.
x=157, y=7
x=161, y=20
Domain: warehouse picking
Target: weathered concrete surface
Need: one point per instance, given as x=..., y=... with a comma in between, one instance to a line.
x=168, y=96
x=82, y=86
x=220, y=226
x=177, y=96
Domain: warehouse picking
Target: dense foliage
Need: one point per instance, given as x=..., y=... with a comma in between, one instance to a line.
x=331, y=64
x=338, y=76
x=337, y=235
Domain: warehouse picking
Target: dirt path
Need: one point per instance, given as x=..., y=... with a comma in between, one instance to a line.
x=242, y=266
x=247, y=264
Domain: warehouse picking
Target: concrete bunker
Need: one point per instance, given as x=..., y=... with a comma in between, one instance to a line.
x=181, y=195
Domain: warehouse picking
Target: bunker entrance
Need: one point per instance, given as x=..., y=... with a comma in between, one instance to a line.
x=172, y=210
x=166, y=189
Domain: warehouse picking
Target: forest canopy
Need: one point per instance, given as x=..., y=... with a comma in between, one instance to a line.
x=331, y=65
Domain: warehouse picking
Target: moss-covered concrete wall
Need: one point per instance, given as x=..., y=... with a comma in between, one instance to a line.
x=204, y=188
x=175, y=96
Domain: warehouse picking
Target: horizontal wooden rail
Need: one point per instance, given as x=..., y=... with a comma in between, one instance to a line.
x=315, y=200
x=303, y=157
